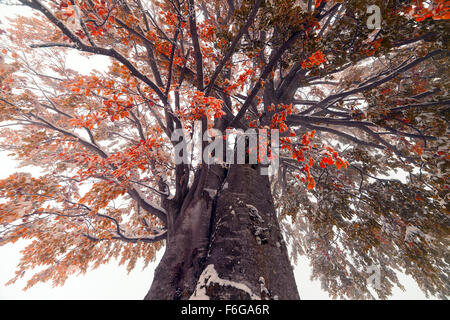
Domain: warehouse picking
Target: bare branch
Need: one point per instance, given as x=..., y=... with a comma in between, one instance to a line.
x=233, y=45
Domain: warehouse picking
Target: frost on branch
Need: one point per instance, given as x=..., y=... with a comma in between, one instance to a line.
x=210, y=283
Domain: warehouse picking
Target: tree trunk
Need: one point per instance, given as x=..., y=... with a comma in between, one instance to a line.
x=225, y=241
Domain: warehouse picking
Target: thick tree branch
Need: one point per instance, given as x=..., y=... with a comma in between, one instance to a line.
x=196, y=44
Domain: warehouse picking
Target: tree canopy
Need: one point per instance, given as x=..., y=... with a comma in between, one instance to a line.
x=355, y=104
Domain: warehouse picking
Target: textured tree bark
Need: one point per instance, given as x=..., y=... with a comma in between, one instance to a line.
x=225, y=242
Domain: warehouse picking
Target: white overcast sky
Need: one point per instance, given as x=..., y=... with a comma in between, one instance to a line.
x=111, y=281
